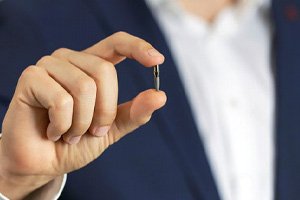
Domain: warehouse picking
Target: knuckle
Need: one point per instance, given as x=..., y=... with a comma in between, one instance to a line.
x=45, y=60
x=120, y=34
x=29, y=73
x=61, y=52
x=63, y=101
x=108, y=66
x=86, y=85
x=104, y=69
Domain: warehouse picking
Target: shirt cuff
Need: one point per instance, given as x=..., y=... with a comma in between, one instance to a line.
x=55, y=196
x=63, y=183
x=2, y=197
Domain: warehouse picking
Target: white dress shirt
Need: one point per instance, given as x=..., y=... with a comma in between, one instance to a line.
x=225, y=70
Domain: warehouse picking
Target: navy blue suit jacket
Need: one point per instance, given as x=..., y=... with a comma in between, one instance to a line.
x=164, y=159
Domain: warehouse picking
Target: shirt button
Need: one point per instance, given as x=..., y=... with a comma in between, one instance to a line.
x=291, y=12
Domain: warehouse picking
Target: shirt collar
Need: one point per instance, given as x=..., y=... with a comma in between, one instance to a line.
x=227, y=22
x=242, y=3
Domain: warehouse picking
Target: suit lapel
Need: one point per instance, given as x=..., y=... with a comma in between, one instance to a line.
x=287, y=52
x=175, y=120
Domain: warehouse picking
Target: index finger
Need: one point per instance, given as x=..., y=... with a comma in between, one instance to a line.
x=121, y=45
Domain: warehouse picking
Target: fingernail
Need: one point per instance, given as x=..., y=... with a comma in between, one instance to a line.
x=101, y=131
x=55, y=138
x=74, y=140
x=154, y=53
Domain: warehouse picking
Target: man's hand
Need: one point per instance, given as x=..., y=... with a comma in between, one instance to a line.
x=64, y=112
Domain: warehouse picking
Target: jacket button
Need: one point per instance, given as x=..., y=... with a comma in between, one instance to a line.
x=291, y=13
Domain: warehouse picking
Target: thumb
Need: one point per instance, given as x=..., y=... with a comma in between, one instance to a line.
x=137, y=112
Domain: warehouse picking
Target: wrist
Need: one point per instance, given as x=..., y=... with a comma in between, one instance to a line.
x=50, y=191
x=17, y=186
